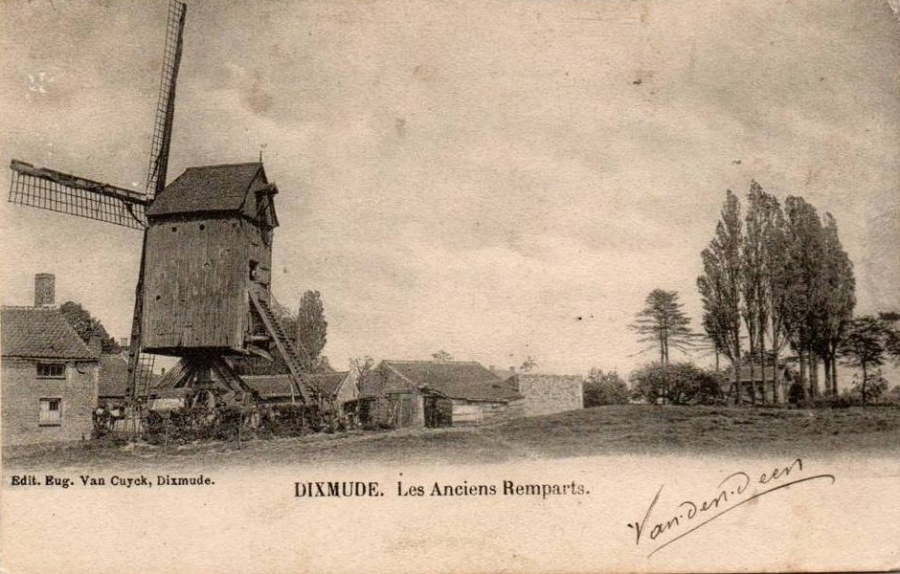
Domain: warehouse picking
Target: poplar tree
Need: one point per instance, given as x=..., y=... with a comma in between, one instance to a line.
x=753, y=286
x=805, y=294
x=311, y=330
x=720, y=286
x=837, y=302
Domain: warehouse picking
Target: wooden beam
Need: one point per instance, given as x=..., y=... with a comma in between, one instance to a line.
x=76, y=182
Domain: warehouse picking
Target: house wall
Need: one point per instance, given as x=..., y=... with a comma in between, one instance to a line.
x=197, y=275
x=548, y=394
x=348, y=391
x=397, y=410
x=468, y=413
x=22, y=391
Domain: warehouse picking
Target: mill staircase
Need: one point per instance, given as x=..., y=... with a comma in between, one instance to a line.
x=144, y=375
x=285, y=346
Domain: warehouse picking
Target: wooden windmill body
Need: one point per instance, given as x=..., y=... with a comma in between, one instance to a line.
x=203, y=291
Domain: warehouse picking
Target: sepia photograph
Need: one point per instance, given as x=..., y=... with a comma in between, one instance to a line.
x=450, y=286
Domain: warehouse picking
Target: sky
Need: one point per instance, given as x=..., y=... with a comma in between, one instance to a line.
x=494, y=179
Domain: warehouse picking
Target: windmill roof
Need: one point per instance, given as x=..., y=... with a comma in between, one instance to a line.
x=39, y=332
x=206, y=189
x=454, y=379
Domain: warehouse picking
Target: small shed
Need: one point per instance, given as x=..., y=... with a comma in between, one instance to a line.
x=435, y=394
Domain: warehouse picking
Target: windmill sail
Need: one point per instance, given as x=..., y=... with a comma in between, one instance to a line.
x=64, y=193
x=159, y=162
x=165, y=107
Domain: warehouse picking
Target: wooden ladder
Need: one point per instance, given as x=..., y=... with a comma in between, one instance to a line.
x=285, y=346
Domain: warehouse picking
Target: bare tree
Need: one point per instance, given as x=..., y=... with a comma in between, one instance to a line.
x=361, y=368
x=442, y=356
x=528, y=365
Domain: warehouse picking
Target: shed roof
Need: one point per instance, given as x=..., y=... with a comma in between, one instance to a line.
x=40, y=332
x=279, y=386
x=328, y=383
x=113, y=376
x=454, y=379
x=270, y=386
x=213, y=188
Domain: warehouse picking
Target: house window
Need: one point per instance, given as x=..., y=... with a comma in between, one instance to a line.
x=51, y=371
x=51, y=412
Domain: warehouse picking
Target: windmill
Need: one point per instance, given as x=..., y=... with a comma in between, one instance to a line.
x=203, y=290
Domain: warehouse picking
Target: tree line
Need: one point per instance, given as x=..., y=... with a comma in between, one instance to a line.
x=779, y=278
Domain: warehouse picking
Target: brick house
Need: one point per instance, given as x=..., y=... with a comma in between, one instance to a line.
x=435, y=394
x=49, y=375
x=548, y=394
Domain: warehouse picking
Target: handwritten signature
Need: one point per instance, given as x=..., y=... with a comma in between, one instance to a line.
x=732, y=493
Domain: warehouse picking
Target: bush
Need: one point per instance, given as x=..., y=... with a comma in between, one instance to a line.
x=678, y=384
x=604, y=389
x=229, y=421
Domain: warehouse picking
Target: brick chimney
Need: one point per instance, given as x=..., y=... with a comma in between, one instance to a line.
x=44, y=290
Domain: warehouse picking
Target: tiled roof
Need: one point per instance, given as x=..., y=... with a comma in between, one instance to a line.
x=279, y=386
x=328, y=383
x=42, y=333
x=206, y=189
x=454, y=379
x=113, y=376
x=503, y=374
x=270, y=386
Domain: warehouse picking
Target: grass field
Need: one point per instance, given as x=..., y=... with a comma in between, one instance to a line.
x=632, y=429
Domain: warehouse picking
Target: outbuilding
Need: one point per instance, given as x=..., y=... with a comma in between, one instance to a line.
x=435, y=394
